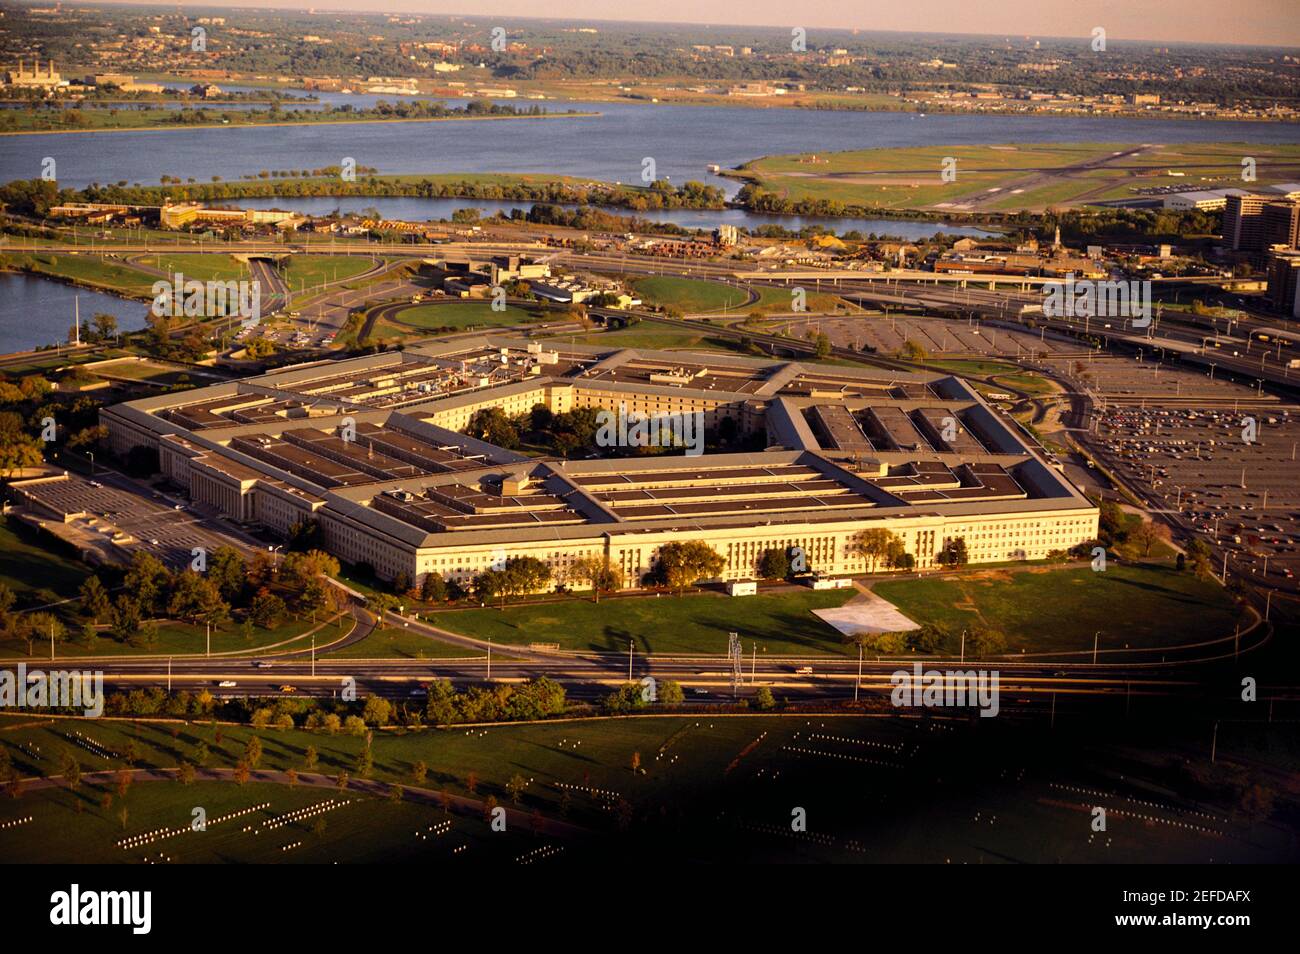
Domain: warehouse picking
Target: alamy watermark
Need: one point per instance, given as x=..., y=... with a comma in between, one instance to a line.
x=56, y=689
x=191, y=298
x=933, y=689
x=624, y=429
x=1098, y=299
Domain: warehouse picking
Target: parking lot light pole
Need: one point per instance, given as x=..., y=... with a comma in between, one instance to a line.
x=1095, y=639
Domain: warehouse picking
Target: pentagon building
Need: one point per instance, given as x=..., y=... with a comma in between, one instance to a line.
x=370, y=447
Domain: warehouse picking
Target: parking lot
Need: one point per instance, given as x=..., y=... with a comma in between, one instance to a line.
x=110, y=513
x=1242, y=494
x=937, y=336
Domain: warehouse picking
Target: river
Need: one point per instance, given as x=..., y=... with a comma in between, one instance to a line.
x=37, y=311
x=682, y=140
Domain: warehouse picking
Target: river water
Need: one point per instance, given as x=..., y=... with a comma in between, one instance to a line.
x=38, y=311
x=682, y=141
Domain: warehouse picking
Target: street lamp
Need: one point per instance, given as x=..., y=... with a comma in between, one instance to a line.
x=1095, y=639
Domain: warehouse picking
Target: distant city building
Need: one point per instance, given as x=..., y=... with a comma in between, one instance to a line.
x=1203, y=200
x=34, y=77
x=1282, y=224
x=1243, y=221
x=1283, y=279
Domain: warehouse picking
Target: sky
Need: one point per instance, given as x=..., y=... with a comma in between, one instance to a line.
x=1267, y=22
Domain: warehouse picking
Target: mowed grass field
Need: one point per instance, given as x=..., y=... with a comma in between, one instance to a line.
x=462, y=315
x=395, y=642
x=30, y=565
x=689, y=295
x=1060, y=610
x=177, y=638
x=91, y=270
x=311, y=270
x=1010, y=177
x=202, y=267
x=781, y=624
x=258, y=823
x=707, y=787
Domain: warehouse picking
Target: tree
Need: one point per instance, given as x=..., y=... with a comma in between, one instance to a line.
x=18, y=451
x=299, y=568
x=596, y=570
x=377, y=710
x=681, y=564
x=433, y=588
x=94, y=599
x=913, y=351
x=930, y=638
x=44, y=626
x=196, y=599
x=103, y=325
x=669, y=692
x=419, y=772
x=185, y=773
x=381, y=604
x=313, y=598
x=516, y=787
x=954, y=552
x=253, y=751
x=1198, y=555
x=984, y=641
x=305, y=536
x=525, y=574
x=228, y=571
x=1148, y=533
x=877, y=544
x=70, y=769
x=491, y=424
x=763, y=700
x=490, y=584
x=266, y=609
x=823, y=345
x=774, y=564
x=146, y=580
x=879, y=644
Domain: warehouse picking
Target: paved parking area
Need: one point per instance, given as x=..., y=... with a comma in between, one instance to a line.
x=938, y=336
x=1244, y=494
x=111, y=512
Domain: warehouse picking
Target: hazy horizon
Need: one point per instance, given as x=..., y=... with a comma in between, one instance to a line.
x=1249, y=22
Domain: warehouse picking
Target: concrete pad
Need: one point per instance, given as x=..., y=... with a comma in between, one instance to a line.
x=868, y=613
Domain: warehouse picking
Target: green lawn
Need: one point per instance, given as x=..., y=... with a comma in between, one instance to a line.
x=1061, y=610
x=29, y=564
x=73, y=827
x=312, y=270
x=181, y=639
x=395, y=642
x=782, y=624
x=85, y=269
x=202, y=267
x=726, y=785
x=464, y=315
x=690, y=295
x=1008, y=177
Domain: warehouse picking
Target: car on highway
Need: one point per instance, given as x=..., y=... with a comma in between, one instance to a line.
x=288, y=689
x=227, y=684
x=804, y=670
x=261, y=664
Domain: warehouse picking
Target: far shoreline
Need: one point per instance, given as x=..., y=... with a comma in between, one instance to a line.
x=324, y=122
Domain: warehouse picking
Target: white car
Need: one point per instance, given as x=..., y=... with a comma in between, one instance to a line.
x=227, y=684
